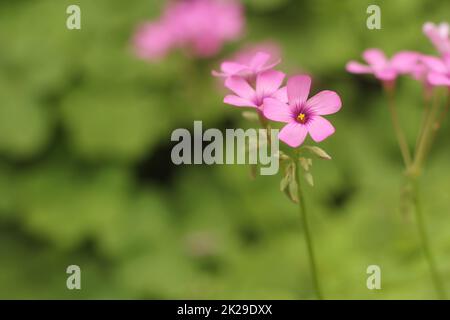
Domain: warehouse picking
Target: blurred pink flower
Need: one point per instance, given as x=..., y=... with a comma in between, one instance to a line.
x=301, y=114
x=439, y=36
x=439, y=70
x=382, y=68
x=204, y=25
x=199, y=26
x=420, y=73
x=247, y=52
x=250, y=61
x=153, y=40
x=267, y=85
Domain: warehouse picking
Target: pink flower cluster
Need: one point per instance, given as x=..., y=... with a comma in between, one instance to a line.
x=431, y=70
x=256, y=84
x=199, y=26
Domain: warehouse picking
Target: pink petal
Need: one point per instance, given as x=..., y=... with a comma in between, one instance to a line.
x=270, y=66
x=218, y=74
x=298, y=89
x=238, y=101
x=281, y=94
x=438, y=35
x=356, y=67
x=444, y=29
x=434, y=64
x=430, y=27
x=240, y=86
x=293, y=134
x=231, y=68
x=405, y=61
x=419, y=72
x=206, y=45
x=259, y=60
x=446, y=59
x=268, y=82
x=153, y=40
x=276, y=110
x=375, y=57
x=386, y=74
x=320, y=128
x=438, y=79
x=325, y=102
x=248, y=52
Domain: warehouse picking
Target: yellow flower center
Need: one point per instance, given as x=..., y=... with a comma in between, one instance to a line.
x=301, y=118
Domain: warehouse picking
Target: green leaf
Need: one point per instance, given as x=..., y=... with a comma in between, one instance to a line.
x=285, y=181
x=293, y=191
x=318, y=152
x=283, y=156
x=289, y=184
x=306, y=163
x=309, y=178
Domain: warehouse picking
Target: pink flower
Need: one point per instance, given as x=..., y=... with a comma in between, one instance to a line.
x=267, y=86
x=153, y=40
x=420, y=73
x=439, y=70
x=301, y=114
x=199, y=26
x=247, y=64
x=439, y=36
x=204, y=25
x=382, y=68
x=247, y=52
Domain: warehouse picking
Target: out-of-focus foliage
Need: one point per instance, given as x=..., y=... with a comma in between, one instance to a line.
x=86, y=177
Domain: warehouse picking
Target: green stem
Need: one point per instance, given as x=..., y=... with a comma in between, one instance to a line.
x=401, y=139
x=425, y=140
x=425, y=243
x=427, y=136
x=438, y=123
x=265, y=124
x=308, y=238
x=426, y=114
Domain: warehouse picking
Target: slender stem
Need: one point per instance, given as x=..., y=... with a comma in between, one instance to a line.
x=266, y=125
x=426, y=114
x=445, y=111
x=308, y=238
x=427, y=137
x=402, y=142
x=438, y=123
x=425, y=243
x=262, y=120
x=425, y=140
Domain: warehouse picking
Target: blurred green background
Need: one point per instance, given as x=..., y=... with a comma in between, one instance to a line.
x=86, y=176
